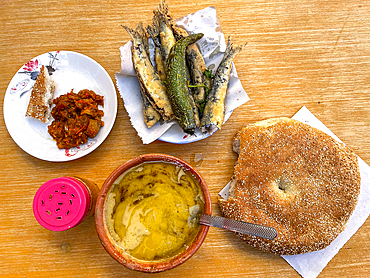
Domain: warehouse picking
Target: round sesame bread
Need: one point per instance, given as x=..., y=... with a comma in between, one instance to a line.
x=294, y=178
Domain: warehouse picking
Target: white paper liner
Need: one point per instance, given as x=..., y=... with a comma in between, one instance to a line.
x=310, y=265
x=212, y=47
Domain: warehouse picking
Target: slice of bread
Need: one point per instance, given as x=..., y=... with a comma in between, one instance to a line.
x=39, y=106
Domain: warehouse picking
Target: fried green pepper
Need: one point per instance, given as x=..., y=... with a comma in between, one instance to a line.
x=177, y=84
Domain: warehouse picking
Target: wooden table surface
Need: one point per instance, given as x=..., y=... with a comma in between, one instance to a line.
x=308, y=52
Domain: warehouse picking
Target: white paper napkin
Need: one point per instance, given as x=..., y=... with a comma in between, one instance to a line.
x=212, y=46
x=310, y=265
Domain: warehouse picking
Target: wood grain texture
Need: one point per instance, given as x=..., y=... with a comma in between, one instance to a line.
x=313, y=53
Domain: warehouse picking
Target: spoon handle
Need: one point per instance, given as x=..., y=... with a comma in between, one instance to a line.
x=238, y=226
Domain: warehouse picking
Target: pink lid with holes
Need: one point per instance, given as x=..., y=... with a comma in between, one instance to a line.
x=61, y=203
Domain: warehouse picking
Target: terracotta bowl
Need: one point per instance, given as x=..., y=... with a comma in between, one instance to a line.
x=116, y=252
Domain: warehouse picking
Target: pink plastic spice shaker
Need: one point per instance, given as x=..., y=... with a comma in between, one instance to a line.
x=63, y=203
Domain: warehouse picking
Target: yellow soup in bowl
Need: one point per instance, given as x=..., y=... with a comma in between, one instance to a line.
x=148, y=210
x=153, y=210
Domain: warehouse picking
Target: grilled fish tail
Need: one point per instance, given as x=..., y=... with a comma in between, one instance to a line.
x=178, y=32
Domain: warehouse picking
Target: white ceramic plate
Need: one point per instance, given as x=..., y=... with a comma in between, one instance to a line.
x=72, y=71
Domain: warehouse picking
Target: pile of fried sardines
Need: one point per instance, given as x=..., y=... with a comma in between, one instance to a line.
x=178, y=84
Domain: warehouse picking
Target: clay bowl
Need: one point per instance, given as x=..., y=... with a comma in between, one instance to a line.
x=117, y=253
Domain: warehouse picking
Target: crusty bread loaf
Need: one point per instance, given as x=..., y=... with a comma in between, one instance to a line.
x=294, y=178
x=39, y=105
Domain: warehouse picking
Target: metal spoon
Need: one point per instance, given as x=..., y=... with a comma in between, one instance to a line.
x=238, y=226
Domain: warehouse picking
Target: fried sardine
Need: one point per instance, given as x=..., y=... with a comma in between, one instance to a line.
x=152, y=85
x=213, y=116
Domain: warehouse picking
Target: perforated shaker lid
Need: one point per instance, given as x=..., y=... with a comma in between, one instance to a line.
x=61, y=203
